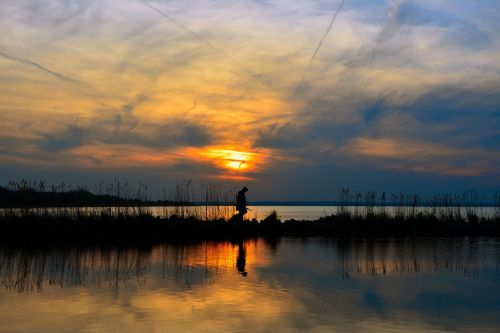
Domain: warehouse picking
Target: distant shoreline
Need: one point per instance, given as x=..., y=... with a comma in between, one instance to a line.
x=28, y=197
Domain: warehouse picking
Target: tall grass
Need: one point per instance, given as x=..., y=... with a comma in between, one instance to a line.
x=497, y=205
x=446, y=206
x=130, y=212
x=119, y=200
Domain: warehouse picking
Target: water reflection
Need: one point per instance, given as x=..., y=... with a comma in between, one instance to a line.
x=241, y=259
x=188, y=265
x=411, y=256
x=281, y=284
x=27, y=270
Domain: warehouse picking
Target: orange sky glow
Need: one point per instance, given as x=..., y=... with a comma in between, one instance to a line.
x=213, y=94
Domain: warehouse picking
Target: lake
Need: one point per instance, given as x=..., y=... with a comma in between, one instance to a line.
x=258, y=285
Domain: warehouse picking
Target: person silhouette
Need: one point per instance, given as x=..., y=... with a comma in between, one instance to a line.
x=241, y=202
x=241, y=260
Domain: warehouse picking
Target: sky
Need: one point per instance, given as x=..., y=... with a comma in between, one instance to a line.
x=294, y=99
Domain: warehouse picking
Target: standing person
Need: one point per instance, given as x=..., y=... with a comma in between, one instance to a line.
x=241, y=202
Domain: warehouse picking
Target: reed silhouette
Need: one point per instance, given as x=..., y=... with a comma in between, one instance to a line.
x=119, y=213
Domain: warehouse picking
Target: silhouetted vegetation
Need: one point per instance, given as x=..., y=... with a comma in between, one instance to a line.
x=128, y=216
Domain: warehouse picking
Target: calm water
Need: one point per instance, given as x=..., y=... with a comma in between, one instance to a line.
x=282, y=285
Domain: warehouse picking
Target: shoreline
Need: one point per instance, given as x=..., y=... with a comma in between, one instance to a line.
x=146, y=229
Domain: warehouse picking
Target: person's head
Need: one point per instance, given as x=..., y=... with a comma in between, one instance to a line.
x=245, y=189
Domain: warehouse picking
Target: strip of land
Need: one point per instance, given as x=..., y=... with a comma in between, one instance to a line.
x=34, y=215
x=146, y=229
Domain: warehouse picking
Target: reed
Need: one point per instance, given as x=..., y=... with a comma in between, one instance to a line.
x=118, y=211
x=497, y=205
x=116, y=199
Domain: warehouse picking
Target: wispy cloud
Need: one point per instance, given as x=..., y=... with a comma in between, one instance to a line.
x=318, y=47
x=403, y=85
x=36, y=65
x=195, y=35
x=425, y=157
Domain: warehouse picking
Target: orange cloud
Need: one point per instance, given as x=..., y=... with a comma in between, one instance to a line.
x=403, y=154
x=230, y=164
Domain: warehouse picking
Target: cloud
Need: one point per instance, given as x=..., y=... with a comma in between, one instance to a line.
x=280, y=136
x=447, y=129
x=318, y=47
x=72, y=136
x=425, y=157
x=251, y=73
x=403, y=71
x=38, y=66
x=175, y=134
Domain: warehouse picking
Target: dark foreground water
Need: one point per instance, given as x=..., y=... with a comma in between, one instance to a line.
x=280, y=285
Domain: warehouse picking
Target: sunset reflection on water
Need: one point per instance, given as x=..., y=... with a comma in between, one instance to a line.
x=255, y=285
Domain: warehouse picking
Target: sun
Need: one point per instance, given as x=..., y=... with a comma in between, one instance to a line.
x=237, y=161
x=232, y=164
x=232, y=160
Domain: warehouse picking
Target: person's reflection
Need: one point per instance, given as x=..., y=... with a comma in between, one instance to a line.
x=241, y=259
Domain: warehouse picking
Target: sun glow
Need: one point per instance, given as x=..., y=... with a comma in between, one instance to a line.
x=231, y=159
x=230, y=164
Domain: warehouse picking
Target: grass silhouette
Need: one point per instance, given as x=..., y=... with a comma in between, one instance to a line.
x=117, y=213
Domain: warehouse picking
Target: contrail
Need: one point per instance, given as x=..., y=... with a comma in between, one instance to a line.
x=38, y=66
x=334, y=18
x=195, y=35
